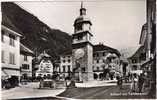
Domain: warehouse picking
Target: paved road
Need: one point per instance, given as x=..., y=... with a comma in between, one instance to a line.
x=105, y=92
x=30, y=91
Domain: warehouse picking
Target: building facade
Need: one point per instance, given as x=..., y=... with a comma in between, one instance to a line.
x=104, y=58
x=148, y=41
x=45, y=66
x=136, y=60
x=106, y=62
x=10, y=54
x=26, y=57
x=66, y=65
x=82, y=47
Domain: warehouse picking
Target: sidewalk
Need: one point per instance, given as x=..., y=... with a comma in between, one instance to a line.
x=30, y=91
x=97, y=83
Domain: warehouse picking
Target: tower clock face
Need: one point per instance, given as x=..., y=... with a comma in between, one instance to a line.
x=79, y=53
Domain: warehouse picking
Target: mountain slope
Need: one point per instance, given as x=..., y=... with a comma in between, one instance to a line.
x=36, y=35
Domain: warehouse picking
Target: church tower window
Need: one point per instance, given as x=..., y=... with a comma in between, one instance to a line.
x=80, y=37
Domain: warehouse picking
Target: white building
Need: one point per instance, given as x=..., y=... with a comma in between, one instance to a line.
x=45, y=66
x=105, y=59
x=66, y=64
x=101, y=54
x=10, y=52
x=26, y=56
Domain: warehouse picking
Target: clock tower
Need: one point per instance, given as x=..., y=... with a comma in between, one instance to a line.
x=82, y=51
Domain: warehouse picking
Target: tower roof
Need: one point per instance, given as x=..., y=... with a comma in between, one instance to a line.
x=83, y=17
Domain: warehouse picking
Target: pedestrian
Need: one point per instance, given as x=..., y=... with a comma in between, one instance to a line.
x=134, y=83
x=140, y=82
x=119, y=82
x=129, y=77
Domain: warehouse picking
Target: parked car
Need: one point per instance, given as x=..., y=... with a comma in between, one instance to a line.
x=47, y=83
x=24, y=81
x=6, y=84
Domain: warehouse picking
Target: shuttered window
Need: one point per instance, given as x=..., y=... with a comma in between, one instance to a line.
x=25, y=66
x=2, y=36
x=63, y=68
x=12, y=40
x=11, y=58
x=68, y=68
x=2, y=57
x=25, y=58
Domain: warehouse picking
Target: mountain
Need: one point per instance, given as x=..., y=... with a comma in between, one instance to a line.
x=129, y=51
x=36, y=35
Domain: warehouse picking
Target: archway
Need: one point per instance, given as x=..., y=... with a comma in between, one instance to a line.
x=101, y=76
x=95, y=76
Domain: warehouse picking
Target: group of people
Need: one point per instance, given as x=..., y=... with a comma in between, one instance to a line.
x=137, y=82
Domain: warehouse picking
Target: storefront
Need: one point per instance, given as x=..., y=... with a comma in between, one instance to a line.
x=10, y=77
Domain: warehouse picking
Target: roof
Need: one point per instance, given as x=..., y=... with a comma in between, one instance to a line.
x=137, y=52
x=25, y=49
x=143, y=34
x=82, y=32
x=102, y=47
x=8, y=23
x=44, y=54
x=98, y=47
x=82, y=18
x=69, y=52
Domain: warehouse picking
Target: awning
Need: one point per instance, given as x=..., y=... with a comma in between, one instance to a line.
x=8, y=73
x=4, y=75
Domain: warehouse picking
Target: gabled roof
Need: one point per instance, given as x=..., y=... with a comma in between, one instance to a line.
x=137, y=52
x=44, y=54
x=25, y=49
x=102, y=47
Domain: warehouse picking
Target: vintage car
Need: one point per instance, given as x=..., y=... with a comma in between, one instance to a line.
x=49, y=83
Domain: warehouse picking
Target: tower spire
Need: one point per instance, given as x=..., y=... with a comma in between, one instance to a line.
x=82, y=9
x=81, y=4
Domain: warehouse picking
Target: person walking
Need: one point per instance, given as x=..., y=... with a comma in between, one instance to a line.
x=134, y=83
x=141, y=82
x=119, y=82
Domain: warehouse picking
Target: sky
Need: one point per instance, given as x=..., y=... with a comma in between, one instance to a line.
x=116, y=23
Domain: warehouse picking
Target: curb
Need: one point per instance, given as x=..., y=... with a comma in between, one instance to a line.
x=12, y=89
x=65, y=98
x=58, y=97
x=113, y=84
